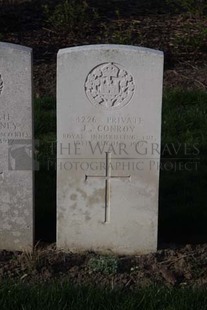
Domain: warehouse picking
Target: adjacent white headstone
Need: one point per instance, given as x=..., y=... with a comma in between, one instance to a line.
x=16, y=175
x=109, y=123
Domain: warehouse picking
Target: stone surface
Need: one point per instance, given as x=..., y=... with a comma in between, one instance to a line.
x=16, y=171
x=108, y=148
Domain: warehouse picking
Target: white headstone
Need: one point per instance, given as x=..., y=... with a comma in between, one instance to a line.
x=109, y=123
x=16, y=175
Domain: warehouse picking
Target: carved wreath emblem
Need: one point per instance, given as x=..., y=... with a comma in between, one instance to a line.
x=1, y=84
x=109, y=86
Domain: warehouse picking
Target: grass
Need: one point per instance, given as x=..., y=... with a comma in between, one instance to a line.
x=57, y=295
x=184, y=114
x=182, y=192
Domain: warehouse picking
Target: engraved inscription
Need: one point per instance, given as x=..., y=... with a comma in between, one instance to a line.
x=1, y=84
x=10, y=129
x=109, y=86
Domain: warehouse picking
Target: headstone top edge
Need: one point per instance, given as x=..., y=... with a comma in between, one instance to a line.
x=94, y=47
x=18, y=47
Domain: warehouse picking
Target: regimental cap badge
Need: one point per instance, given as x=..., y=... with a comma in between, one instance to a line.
x=109, y=86
x=1, y=84
x=110, y=70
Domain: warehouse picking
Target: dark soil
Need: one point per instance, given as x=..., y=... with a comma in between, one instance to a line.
x=182, y=267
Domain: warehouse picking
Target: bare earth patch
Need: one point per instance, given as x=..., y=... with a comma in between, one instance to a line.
x=181, y=267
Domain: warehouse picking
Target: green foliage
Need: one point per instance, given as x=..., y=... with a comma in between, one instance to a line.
x=69, y=15
x=45, y=116
x=184, y=114
x=104, y=264
x=58, y=295
x=182, y=192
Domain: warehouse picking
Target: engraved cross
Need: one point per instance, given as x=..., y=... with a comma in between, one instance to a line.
x=108, y=176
